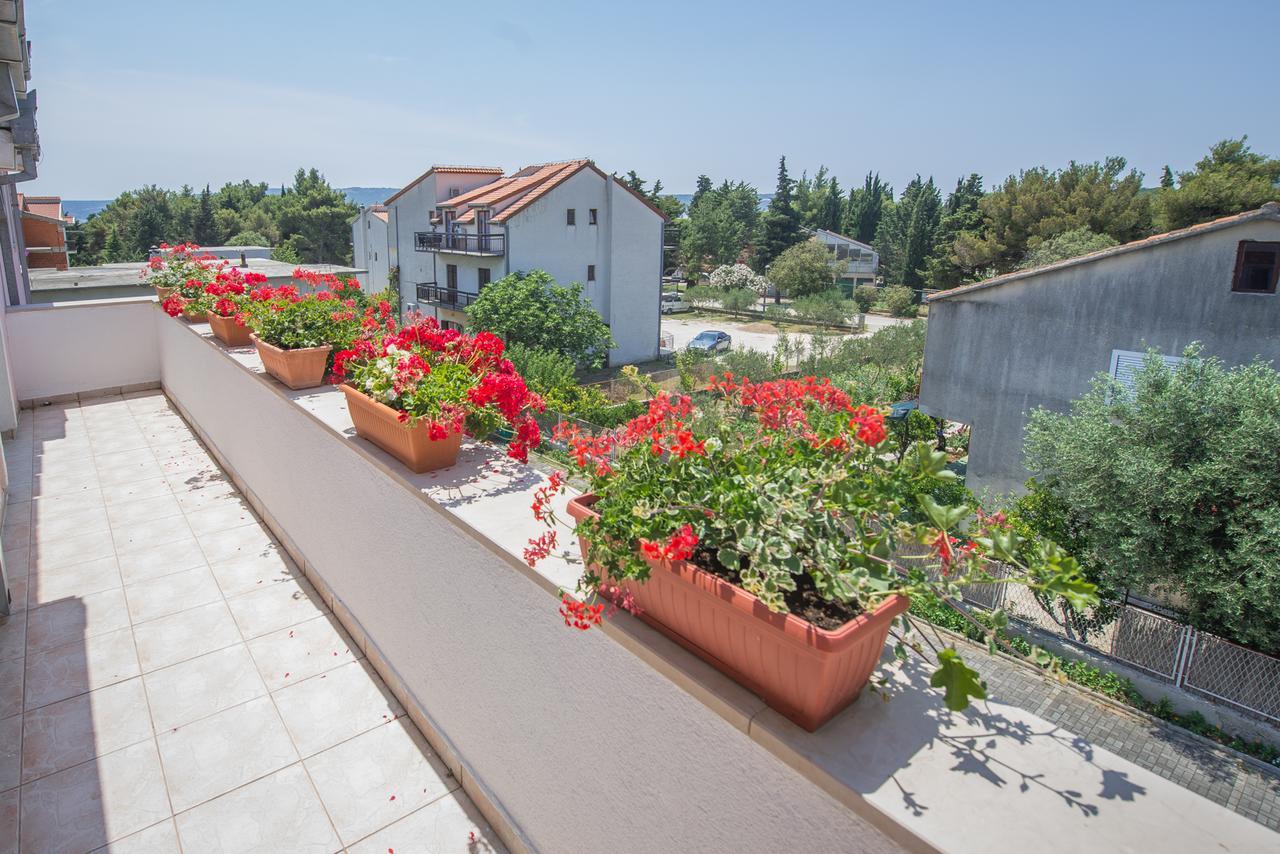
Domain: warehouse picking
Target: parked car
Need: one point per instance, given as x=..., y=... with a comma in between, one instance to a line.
x=671, y=303
x=710, y=341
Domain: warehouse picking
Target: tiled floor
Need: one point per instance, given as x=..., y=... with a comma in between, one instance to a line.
x=169, y=682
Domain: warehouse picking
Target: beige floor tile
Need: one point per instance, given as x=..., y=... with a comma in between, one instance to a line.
x=75, y=447
x=66, y=551
x=159, y=838
x=15, y=535
x=16, y=562
x=132, y=473
x=78, y=667
x=18, y=491
x=12, y=673
x=377, y=778
x=237, y=544
x=200, y=495
x=105, y=443
x=137, y=491
x=47, y=585
x=51, y=508
x=84, y=807
x=13, y=636
x=220, y=517
x=216, y=754
x=17, y=511
x=254, y=573
x=18, y=594
x=65, y=484
x=202, y=686
x=450, y=825
x=277, y=813
x=126, y=513
x=67, y=733
x=9, y=821
x=185, y=635
x=274, y=607
x=10, y=752
x=194, y=481
x=162, y=560
x=335, y=706
x=67, y=620
x=290, y=655
x=140, y=536
x=169, y=594
x=82, y=523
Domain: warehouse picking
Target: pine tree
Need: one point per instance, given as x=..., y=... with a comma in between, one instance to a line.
x=203, y=227
x=780, y=225
x=865, y=207
x=703, y=187
x=961, y=215
x=1166, y=180
x=908, y=232
x=832, y=207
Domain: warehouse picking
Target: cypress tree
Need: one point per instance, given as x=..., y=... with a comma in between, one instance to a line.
x=780, y=225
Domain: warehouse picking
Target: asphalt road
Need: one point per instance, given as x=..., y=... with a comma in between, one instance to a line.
x=684, y=329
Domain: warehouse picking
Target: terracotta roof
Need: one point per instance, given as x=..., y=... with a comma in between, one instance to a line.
x=382, y=215
x=45, y=206
x=545, y=179
x=465, y=170
x=1269, y=211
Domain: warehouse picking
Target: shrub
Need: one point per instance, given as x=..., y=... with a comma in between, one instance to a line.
x=900, y=301
x=739, y=301
x=545, y=371
x=532, y=310
x=866, y=296
x=804, y=269
x=826, y=307
x=1173, y=486
x=730, y=277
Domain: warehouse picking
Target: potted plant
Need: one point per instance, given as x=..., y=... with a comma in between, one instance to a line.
x=296, y=335
x=414, y=391
x=175, y=267
x=228, y=298
x=760, y=530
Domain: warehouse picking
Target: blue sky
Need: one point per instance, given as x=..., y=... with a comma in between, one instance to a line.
x=167, y=93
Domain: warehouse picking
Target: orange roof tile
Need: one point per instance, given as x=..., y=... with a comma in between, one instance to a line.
x=547, y=178
x=465, y=170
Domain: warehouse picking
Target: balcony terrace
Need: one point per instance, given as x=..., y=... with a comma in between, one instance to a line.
x=237, y=626
x=460, y=243
x=433, y=294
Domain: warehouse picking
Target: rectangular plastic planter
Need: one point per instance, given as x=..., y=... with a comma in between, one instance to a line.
x=806, y=673
x=300, y=368
x=229, y=332
x=380, y=424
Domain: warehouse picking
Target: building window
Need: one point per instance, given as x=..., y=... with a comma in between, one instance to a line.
x=455, y=191
x=1125, y=365
x=484, y=278
x=571, y=216
x=591, y=272
x=593, y=216
x=1257, y=267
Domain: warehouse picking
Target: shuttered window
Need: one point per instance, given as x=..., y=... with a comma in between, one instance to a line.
x=1125, y=365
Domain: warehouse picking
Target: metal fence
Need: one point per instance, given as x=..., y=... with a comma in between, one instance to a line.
x=1171, y=650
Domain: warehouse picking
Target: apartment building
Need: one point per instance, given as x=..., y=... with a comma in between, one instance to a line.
x=44, y=230
x=456, y=228
x=369, y=235
x=860, y=260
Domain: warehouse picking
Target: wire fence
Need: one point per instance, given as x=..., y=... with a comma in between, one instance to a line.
x=1166, y=648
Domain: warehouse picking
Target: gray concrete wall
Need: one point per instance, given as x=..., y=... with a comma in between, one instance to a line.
x=994, y=354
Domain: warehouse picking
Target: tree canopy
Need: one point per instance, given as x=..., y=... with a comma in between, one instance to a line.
x=532, y=310
x=780, y=224
x=1173, y=487
x=1231, y=180
x=1068, y=244
x=804, y=269
x=307, y=222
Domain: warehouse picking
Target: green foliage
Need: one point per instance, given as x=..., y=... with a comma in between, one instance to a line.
x=962, y=214
x=532, y=310
x=720, y=225
x=1174, y=487
x=1231, y=180
x=866, y=296
x=306, y=323
x=804, y=269
x=907, y=234
x=899, y=300
x=729, y=277
x=738, y=301
x=864, y=208
x=685, y=360
x=248, y=238
x=960, y=681
x=824, y=307
x=1068, y=244
x=1037, y=204
x=544, y=371
x=780, y=224
x=310, y=218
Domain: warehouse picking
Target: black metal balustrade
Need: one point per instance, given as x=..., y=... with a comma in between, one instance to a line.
x=434, y=294
x=458, y=242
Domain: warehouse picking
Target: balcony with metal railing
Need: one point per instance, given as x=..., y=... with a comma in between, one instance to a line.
x=445, y=297
x=460, y=243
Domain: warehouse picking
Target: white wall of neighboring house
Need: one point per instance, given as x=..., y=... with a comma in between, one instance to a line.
x=863, y=260
x=635, y=276
x=369, y=238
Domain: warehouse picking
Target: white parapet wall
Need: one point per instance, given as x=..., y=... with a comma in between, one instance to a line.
x=65, y=349
x=584, y=745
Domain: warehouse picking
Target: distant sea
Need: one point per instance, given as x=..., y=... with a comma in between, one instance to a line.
x=82, y=209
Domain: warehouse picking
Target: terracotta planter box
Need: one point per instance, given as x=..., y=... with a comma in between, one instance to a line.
x=806, y=673
x=196, y=315
x=163, y=293
x=231, y=333
x=300, y=368
x=380, y=424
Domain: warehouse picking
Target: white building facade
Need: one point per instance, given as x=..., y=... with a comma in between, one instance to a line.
x=457, y=228
x=370, y=241
x=861, y=261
